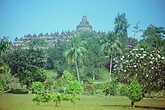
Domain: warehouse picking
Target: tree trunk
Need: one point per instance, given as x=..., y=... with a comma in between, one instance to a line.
x=64, y=88
x=110, y=68
x=93, y=75
x=132, y=104
x=56, y=103
x=29, y=92
x=77, y=71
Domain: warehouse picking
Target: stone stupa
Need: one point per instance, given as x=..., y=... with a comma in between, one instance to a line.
x=84, y=25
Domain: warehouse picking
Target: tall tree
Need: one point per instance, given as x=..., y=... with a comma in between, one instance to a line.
x=113, y=46
x=121, y=25
x=149, y=67
x=154, y=37
x=74, y=53
x=95, y=59
x=56, y=58
x=120, y=29
x=26, y=65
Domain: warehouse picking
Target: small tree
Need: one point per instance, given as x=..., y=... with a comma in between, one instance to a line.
x=89, y=89
x=37, y=86
x=58, y=85
x=134, y=91
x=28, y=77
x=48, y=84
x=110, y=87
x=66, y=78
x=41, y=97
x=75, y=87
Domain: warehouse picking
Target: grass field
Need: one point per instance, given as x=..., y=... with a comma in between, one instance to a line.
x=24, y=102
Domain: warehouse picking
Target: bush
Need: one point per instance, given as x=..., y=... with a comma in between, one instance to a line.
x=110, y=88
x=59, y=86
x=122, y=91
x=36, y=86
x=48, y=84
x=75, y=87
x=134, y=91
x=3, y=82
x=57, y=98
x=3, y=85
x=89, y=89
x=41, y=97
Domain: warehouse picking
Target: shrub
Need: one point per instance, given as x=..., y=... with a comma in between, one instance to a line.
x=3, y=82
x=110, y=88
x=3, y=85
x=59, y=85
x=41, y=97
x=37, y=86
x=89, y=89
x=48, y=84
x=134, y=91
x=75, y=87
x=57, y=98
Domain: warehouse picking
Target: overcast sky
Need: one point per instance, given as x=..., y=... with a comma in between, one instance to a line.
x=22, y=17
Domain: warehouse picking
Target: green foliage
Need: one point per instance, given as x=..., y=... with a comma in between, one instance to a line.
x=58, y=85
x=89, y=89
x=153, y=39
x=110, y=87
x=112, y=47
x=33, y=74
x=74, y=87
x=56, y=58
x=66, y=77
x=3, y=82
x=121, y=24
x=94, y=59
x=57, y=97
x=3, y=85
x=41, y=97
x=38, y=42
x=3, y=44
x=27, y=65
x=134, y=91
x=11, y=81
x=48, y=84
x=20, y=60
x=75, y=53
x=37, y=86
x=1, y=88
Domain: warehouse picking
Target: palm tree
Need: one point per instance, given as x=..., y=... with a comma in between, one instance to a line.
x=113, y=45
x=74, y=53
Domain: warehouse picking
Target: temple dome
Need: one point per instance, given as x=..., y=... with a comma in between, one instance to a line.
x=84, y=25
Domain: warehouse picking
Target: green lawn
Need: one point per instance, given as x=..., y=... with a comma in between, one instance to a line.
x=24, y=102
